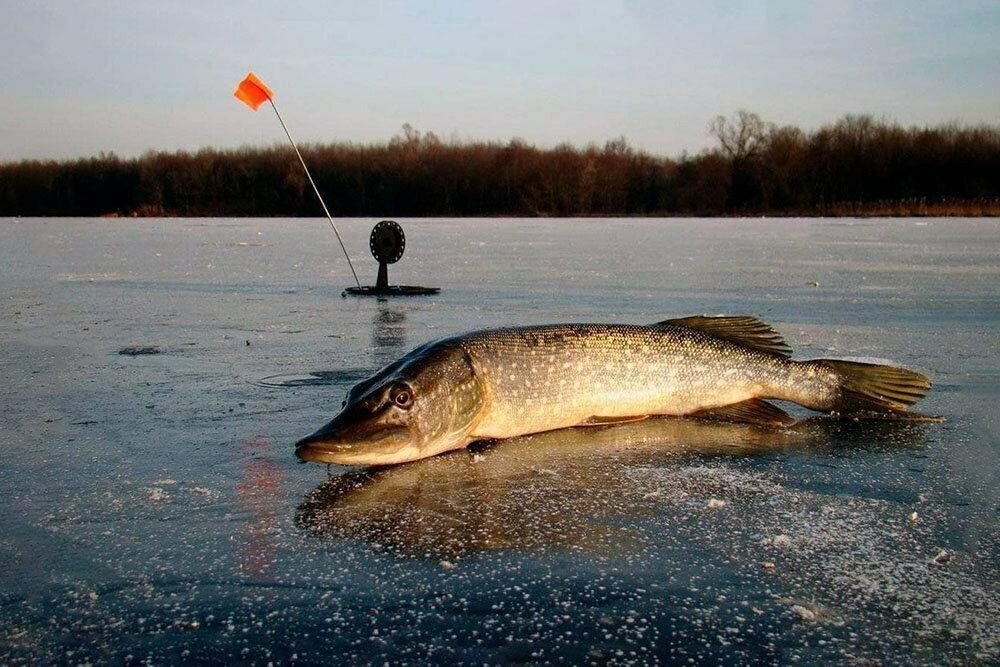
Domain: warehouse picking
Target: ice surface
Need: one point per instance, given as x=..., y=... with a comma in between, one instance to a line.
x=152, y=508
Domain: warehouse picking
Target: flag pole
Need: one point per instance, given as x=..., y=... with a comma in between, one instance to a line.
x=316, y=190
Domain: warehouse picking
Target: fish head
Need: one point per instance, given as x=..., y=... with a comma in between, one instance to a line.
x=424, y=404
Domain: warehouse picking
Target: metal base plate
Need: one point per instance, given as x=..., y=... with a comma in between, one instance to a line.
x=391, y=290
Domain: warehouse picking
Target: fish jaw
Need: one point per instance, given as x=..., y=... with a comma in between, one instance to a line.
x=347, y=455
x=395, y=446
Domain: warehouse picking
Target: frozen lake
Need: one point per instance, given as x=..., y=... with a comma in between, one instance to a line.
x=152, y=507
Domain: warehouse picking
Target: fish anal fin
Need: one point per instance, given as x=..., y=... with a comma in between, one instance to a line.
x=753, y=411
x=740, y=329
x=610, y=421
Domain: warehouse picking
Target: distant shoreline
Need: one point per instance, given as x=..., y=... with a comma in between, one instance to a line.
x=972, y=210
x=905, y=209
x=854, y=167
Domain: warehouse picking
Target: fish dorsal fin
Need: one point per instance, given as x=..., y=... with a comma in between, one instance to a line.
x=753, y=411
x=740, y=329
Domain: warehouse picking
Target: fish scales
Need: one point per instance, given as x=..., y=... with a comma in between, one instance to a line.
x=558, y=376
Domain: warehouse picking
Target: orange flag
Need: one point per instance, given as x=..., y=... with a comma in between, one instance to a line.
x=252, y=91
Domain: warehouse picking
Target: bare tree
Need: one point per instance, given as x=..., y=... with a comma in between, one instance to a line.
x=741, y=136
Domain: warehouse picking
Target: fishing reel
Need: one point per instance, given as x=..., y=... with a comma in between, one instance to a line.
x=387, y=243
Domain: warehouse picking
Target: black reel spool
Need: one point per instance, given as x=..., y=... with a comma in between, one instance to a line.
x=387, y=243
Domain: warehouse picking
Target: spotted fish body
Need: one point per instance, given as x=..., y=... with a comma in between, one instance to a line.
x=506, y=382
x=543, y=378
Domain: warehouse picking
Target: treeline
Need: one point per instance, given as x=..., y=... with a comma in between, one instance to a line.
x=857, y=165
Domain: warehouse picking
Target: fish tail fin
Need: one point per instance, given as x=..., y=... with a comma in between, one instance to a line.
x=874, y=388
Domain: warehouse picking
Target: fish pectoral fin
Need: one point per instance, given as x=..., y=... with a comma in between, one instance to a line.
x=609, y=421
x=753, y=411
x=741, y=329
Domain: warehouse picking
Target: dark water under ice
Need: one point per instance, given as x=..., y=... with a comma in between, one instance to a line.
x=152, y=509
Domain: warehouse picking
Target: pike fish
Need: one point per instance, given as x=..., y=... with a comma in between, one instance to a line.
x=502, y=383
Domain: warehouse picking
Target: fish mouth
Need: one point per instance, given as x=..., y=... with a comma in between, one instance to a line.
x=317, y=451
x=384, y=446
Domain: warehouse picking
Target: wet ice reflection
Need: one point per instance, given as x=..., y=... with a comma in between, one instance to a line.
x=260, y=493
x=573, y=488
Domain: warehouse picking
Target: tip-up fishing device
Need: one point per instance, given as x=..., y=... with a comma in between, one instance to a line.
x=387, y=240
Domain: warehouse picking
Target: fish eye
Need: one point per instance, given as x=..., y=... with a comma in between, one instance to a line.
x=343, y=404
x=402, y=396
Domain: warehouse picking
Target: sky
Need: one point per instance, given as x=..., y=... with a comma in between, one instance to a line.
x=78, y=78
